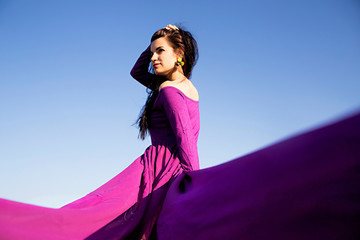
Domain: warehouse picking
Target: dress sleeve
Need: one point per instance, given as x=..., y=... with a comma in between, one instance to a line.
x=140, y=70
x=177, y=112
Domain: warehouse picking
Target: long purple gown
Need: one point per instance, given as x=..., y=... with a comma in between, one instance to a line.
x=305, y=187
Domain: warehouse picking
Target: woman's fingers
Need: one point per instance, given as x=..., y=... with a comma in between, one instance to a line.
x=171, y=27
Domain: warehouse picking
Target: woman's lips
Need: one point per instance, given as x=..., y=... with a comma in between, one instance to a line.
x=156, y=64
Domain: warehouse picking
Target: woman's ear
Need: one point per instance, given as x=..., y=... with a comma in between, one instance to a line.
x=179, y=54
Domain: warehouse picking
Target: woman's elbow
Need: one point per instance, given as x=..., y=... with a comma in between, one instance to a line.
x=133, y=73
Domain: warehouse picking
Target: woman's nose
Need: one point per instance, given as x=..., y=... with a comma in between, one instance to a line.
x=154, y=57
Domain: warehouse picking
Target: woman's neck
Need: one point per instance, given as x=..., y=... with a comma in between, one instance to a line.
x=176, y=77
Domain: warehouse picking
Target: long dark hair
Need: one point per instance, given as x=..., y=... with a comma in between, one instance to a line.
x=183, y=42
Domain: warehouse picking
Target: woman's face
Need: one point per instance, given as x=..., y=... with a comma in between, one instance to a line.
x=164, y=58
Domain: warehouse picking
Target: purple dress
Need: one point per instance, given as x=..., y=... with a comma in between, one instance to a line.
x=128, y=205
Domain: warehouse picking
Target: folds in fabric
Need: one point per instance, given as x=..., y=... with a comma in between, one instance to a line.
x=305, y=187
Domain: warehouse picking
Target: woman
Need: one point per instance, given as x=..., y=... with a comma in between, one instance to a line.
x=128, y=206
x=171, y=115
x=173, y=54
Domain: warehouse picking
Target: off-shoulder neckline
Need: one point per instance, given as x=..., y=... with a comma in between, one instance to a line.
x=180, y=92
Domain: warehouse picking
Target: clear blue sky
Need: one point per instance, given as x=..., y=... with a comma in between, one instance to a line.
x=267, y=70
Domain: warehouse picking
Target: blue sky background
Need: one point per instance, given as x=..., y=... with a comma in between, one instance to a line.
x=267, y=70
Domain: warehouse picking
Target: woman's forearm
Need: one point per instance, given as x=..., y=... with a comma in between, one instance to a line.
x=140, y=70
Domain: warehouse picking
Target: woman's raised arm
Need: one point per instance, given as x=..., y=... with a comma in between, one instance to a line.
x=140, y=70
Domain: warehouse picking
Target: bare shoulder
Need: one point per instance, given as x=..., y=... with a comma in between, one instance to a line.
x=187, y=87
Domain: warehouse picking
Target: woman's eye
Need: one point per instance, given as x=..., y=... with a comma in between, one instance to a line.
x=160, y=50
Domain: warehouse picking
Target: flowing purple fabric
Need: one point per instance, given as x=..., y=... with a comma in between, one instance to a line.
x=306, y=187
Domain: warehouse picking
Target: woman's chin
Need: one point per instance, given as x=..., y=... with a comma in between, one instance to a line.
x=159, y=73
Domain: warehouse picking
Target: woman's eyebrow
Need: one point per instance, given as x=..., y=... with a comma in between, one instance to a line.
x=158, y=48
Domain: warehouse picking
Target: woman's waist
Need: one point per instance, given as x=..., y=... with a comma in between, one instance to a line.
x=163, y=140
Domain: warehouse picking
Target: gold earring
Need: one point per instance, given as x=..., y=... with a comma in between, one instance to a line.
x=180, y=61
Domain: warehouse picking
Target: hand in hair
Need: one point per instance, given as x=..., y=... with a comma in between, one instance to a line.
x=171, y=27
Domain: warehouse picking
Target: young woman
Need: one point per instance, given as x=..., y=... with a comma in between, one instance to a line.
x=171, y=115
x=128, y=206
x=173, y=54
